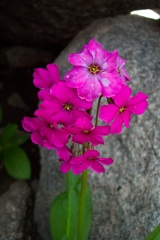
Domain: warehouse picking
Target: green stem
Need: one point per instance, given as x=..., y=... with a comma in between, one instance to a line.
x=82, y=205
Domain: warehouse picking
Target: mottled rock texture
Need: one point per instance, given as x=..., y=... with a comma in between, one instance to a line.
x=126, y=199
x=47, y=22
x=13, y=210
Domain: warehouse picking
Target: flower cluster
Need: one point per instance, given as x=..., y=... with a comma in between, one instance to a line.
x=63, y=120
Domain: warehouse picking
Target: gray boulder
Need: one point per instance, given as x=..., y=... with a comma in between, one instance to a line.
x=45, y=23
x=126, y=199
x=13, y=210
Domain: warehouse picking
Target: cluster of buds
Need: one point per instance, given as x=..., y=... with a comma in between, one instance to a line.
x=64, y=120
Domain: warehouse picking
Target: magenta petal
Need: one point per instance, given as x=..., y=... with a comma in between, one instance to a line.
x=78, y=114
x=41, y=78
x=31, y=124
x=62, y=92
x=108, y=112
x=91, y=89
x=80, y=103
x=125, y=74
x=95, y=139
x=139, y=97
x=97, y=52
x=83, y=123
x=111, y=85
x=91, y=154
x=77, y=160
x=139, y=108
x=53, y=72
x=63, y=153
x=123, y=96
x=49, y=108
x=96, y=167
x=82, y=58
x=65, y=167
x=83, y=166
x=44, y=94
x=101, y=130
x=76, y=77
x=138, y=103
x=80, y=138
x=117, y=125
x=126, y=116
x=36, y=138
x=63, y=117
x=105, y=161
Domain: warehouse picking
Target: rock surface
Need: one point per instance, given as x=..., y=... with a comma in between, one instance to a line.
x=12, y=211
x=126, y=200
x=36, y=23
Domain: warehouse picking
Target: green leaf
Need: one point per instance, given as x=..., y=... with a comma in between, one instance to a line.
x=9, y=132
x=1, y=114
x=17, y=163
x=155, y=235
x=12, y=137
x=65, y=209
x=22, y=137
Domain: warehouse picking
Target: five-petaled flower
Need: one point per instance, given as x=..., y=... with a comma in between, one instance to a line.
x=123, y=107
x=64, y=105
x=95, y=72
x=83, y=131
x=91, y=160
x=44, y=132
x=45, y=79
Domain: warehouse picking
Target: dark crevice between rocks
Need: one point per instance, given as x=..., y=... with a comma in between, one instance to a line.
x=30, y=229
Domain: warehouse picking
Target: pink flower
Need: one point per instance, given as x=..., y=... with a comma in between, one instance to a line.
x=66, y=166
x=45, y=133
x=84, y=131
x=45, y=79
x=63, y=153
x=120, y=69
x=94, y=72
x=90, y=160
x=64, y=106
x=123, y=107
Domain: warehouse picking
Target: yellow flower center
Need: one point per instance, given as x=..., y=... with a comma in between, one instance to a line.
x=67, y=107
x=86, y=131
x=93, y=69
x=50, y=125
x=121, y=109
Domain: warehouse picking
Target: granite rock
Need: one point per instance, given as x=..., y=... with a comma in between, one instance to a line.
x=46, y=23
x=126, y=199
x=12, y=211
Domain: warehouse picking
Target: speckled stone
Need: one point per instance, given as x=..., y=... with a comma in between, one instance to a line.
x=12, y=211
x=126, y=199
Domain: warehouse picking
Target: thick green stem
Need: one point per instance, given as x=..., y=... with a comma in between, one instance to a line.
x=82, y=205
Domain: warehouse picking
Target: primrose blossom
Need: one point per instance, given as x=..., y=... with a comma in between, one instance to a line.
x=45, y=133
x=94, y=72
x=83, y=131
x=64, y=105
x=119, y=112
x=91, y=160
x=45, y=79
